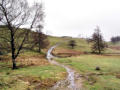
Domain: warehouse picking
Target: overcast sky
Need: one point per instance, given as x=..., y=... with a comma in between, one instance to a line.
x=80, y=17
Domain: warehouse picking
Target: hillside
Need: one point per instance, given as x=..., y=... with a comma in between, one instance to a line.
x=35, y=72
x=82, y=46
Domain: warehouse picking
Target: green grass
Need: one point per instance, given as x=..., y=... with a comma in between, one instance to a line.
x=111, y=51
x=81, y=44
x=86, y=64
x=114, y=44
x=16, y=79
x=46, y=74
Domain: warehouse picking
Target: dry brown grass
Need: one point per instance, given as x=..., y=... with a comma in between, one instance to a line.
x=115, y=47
x=65, y=52
x=32, y=60
x=25, y=60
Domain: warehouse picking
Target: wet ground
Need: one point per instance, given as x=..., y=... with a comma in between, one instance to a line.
x=69, y=83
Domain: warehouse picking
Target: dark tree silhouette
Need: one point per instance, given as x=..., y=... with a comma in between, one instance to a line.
x=39, y=39
x=115, y=39
x=99, y=44
x=72, y=43
x=15, y=14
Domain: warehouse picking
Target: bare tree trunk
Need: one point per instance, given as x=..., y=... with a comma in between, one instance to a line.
x=13, y=50
x=39, y=44
x=99, y=52
x=14, y=64
x=13, y=56
x=39, y=48
x=98, y=43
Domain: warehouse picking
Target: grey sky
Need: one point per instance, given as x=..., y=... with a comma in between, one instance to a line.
x=74, y=17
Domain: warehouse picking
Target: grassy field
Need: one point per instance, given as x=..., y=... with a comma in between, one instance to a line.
x=34, y=72
x=30, y=77
x=105, y=79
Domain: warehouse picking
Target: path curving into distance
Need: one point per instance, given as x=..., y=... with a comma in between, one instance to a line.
x=69, y=83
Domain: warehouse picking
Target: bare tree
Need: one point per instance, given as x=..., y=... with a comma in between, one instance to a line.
x=15, y=14
x=39, y=39
x=98, y=43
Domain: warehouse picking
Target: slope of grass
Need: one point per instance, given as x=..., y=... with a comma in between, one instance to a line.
x=105, y=79
x=81, y=44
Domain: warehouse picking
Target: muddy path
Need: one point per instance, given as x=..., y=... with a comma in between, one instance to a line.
x=69, y=83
